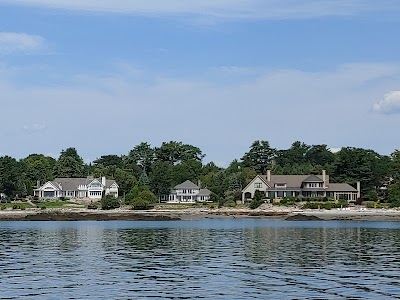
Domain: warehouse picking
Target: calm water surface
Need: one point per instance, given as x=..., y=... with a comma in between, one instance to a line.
x=208, y=259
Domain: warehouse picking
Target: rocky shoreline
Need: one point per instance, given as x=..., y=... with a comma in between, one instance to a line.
x=289, y=214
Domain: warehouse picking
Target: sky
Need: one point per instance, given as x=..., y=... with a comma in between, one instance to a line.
x=103, y=76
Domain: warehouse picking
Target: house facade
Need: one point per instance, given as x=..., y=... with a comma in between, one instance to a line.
x=186, y=192
x=89, y=188
x=310, y=186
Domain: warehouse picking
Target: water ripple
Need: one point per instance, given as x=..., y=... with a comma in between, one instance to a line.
x=212, y=259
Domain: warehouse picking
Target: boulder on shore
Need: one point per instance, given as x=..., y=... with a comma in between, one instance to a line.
x=301, y=217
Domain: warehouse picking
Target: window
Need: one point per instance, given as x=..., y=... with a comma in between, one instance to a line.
x=258, y=185
x=280, y=185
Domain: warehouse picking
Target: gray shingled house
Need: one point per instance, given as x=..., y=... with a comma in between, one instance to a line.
x=186, y=192
x=310, y=186
x=91, y=188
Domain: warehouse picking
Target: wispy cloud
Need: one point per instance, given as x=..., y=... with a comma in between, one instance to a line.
x=390, y=104
x=146, y=106
x=222, y=9
x=13, y=42
x=34, y=127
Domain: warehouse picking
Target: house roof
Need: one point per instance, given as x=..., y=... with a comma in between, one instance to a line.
x=341, y=187
x=313, y=178
x=187, y=185
x=72, y=184
x=204, y=192
x=292, y=181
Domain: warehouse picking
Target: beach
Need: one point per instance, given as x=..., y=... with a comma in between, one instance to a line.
x=281, y=213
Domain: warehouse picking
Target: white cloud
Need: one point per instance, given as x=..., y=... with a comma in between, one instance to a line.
x=12, y=42
x=222, y=9
x=34, y=127
x=390, y=104
x=131, y=105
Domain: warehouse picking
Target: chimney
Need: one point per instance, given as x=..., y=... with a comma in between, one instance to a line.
x=268, y=175
x=324, y=177
x=103, y=181
x=38, y=184
x=358, y=189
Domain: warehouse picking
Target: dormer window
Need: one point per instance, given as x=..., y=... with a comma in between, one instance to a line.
x=280, y=185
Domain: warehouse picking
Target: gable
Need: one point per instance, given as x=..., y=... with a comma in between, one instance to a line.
x=257, y=180
x=49, y=186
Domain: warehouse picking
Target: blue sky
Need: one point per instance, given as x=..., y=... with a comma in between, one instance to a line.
x=102, y=76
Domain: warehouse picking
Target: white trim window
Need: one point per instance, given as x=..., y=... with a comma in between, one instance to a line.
x=258, y=185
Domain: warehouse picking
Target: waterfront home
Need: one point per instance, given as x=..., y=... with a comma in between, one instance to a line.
x=91, y=188
x=186, y=192
x=310, y=186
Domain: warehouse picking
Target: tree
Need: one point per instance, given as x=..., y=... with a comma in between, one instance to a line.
x=109, y=160
x=109, y=202
x=38, y=167
x=11, y=181
x=161, y=178
x=177, y=152
x=145, y=199
x=357, y=164
x=69, y=164
x=143, y=156
x=259, y=157
x=295, y=155
x=320, y=155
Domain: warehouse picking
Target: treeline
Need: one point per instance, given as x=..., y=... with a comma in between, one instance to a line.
x=161, y=168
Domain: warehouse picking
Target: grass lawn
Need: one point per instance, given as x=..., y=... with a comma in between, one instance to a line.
x=20, y=205
x=58, y=204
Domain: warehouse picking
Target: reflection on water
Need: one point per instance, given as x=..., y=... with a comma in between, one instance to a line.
x=210, y=259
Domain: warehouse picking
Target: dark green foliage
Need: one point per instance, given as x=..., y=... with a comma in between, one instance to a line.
x=69, y=164
x=92, y=205
x=324, y=205
x=145, y=200
x=11, y=177
x=109, y=202
x=257, y=199
x=230, y=203
x=259, y=157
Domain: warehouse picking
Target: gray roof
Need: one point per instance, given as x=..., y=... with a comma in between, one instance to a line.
x=187, y=185
x=292, y=181
x=72, y=184
x=204, y=192
x=341, y=187
x=313, y=178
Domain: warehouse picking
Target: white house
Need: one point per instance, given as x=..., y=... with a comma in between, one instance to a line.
x=186, y=192
x=92, y=188
x=311, y=186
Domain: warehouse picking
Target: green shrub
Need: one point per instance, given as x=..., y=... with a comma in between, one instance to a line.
x=141, y=204
x=230, y=203
x=109, y=202
x=323, y=205
x=43, y=207
x=92, y=205
x=255, y=204
x=18, y=206
x=3, y=207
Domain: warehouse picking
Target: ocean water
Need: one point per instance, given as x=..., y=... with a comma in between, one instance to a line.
x=204, y=259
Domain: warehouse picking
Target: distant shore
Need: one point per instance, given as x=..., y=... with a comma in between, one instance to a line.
x=278, y=213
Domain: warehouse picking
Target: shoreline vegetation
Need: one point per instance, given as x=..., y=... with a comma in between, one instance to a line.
x=174, y=214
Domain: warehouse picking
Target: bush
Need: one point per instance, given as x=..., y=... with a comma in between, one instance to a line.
x=141, y=204
x=145, y=200
x=255, y=204
x=109, y=202
x=230, y=203
x=18, y=206
x=92, y=205
x=323, y=205
x=3, y=207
